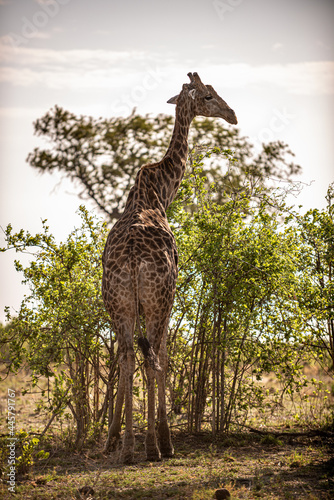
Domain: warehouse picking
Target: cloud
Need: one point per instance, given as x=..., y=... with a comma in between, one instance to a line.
x=71, y=69
x=74, y=79
x=305, y=78
x=302, y=78
x=24, y=56
x=40, y=35
x=83, y=69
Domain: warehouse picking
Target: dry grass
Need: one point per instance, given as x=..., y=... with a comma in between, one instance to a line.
x=311, y=407
x=249, y=465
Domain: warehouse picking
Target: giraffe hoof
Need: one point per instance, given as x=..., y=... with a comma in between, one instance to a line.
x=153, y=454
x=168, y=454
x=166, y=447
x=154, y=457
x=127, y=459
x=112, y=444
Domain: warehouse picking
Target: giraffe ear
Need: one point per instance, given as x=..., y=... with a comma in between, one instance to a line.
x=173, y=100
x=192, y=93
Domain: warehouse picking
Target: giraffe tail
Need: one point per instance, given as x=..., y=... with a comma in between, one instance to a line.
x=143, y=342
x=148, y=353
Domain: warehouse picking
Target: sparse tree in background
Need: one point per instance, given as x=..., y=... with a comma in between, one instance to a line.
x=103, y=155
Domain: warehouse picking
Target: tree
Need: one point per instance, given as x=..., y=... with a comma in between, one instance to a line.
x=62, y=331
x=316, y=267
x=235, y=317
x=254, y=296
x=103, y=155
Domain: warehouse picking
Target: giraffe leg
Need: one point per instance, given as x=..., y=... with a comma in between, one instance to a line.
x=127, y=452
x=115, y=426
x=151, y=445
x=123, y=324
x=156, y=324
x=165, y=442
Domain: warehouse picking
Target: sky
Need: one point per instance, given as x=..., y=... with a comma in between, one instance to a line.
x=272, y=61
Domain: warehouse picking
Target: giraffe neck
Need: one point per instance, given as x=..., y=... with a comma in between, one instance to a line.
x=157, y=184
x=178, y=147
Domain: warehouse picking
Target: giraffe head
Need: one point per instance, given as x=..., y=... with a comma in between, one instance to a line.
x=204, y=100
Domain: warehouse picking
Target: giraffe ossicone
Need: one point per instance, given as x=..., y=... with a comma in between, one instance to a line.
x=140, y=266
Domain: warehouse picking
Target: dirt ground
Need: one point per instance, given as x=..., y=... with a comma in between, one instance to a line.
x=248, y=465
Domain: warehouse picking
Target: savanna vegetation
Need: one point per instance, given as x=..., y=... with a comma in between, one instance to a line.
x=251, y=337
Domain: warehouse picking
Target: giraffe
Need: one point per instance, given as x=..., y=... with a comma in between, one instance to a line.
x=140, y=266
